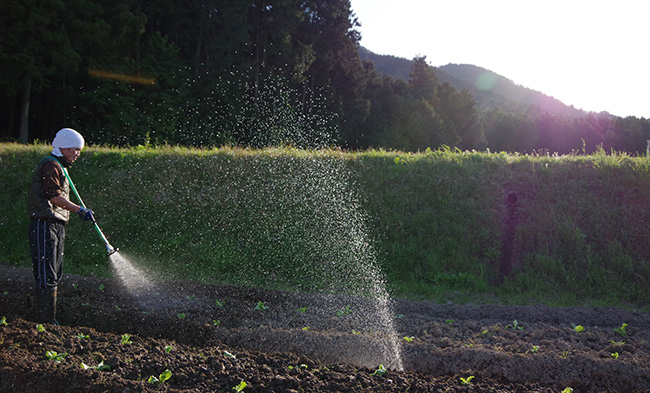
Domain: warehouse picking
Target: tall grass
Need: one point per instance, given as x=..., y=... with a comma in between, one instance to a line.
x=435, y=221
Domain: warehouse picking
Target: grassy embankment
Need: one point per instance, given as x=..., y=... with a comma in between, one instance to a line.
x=434, y=222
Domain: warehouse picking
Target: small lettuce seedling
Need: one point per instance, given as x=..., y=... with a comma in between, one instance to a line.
x=3, y=321
x=240, y=388
x=168, y=348
x=514, y=326
x=126, y=339
x=40, y=328
x=379, y=372
x=300, y=367
x=57, y=357
x=466, y=381
x=567, y=390
x=181, y=315
x=621, y=330
x=615, y=355
x=347, y=310
x=82, y=336
x=302, y=310
x=261, y=306
x=578, y=328
x=229, y=355
x=218, y=303
x=99, y=367
x=164, y=376
x=408, y=339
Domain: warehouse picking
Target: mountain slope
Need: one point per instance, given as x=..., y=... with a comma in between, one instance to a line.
x=490, y=90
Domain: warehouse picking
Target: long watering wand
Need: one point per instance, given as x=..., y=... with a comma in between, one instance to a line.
x=110, y=250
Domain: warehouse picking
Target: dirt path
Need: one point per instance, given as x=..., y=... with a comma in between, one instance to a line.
x=211, y=338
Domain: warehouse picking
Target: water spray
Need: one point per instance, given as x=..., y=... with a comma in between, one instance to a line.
x=110, y=250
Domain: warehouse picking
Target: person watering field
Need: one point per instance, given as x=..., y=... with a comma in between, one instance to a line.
x=49, y=209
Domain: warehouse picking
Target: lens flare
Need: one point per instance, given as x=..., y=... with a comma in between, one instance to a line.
x=122, y=77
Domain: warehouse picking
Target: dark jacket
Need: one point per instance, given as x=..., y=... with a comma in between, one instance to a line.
x=49, y=182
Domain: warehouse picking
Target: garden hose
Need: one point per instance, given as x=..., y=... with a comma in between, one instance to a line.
x=110, y=250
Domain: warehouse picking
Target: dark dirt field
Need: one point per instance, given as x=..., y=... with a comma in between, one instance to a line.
x=300, y=343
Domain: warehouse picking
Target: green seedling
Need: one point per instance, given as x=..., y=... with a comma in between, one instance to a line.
x=101, y=287
x=118, y=308
x=615, y=355
x=578, y=328
x=218, y=303
x=564, y=354
x=3, y=321
x=302, y=310
x=619, y=343
x=379, y=372
x=82, y=336
x=216, y=322
x=621, y=330
x=164, y=376
x=168, y=348
x=450, y=322
x=514, y=326
x=126, y=339
x=99, y=367
x=85, y=304
x=399, y=316
x=57, y=357
x=305, y=328
x=181, y=315
x=347, y=310
x=191, y=297
x=240, y=388
x=40, y=328
x=567, y=390
x=535, y=349
x=229, y=355
x=302, y=366
x=75, y=286
x=466, y=381
x=261, y=306
x=355, y=331
x=408, y=339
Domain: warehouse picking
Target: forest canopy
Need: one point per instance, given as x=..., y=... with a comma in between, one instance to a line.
x=250, y=73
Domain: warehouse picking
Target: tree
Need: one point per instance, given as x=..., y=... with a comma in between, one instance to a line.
x=35, y=47
x=423, y=81
x=336, y=73
x=460, y=110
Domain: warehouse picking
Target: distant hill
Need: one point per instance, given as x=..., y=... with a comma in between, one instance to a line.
x=490, y=90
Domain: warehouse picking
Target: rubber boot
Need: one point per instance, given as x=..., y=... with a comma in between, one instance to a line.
x=46, y=304
x=52, y=297
x=40, y=305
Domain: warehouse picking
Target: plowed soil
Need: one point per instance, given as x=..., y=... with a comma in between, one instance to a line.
x=301, y=343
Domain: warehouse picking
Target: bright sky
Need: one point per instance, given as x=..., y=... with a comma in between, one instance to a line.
x=592, y=54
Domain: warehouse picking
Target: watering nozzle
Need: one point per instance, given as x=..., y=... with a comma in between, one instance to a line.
x=110, y=250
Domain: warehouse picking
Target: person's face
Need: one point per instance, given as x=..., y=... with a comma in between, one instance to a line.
x=71, y=153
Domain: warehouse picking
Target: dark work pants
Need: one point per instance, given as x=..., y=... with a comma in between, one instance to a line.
x=46, y=239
